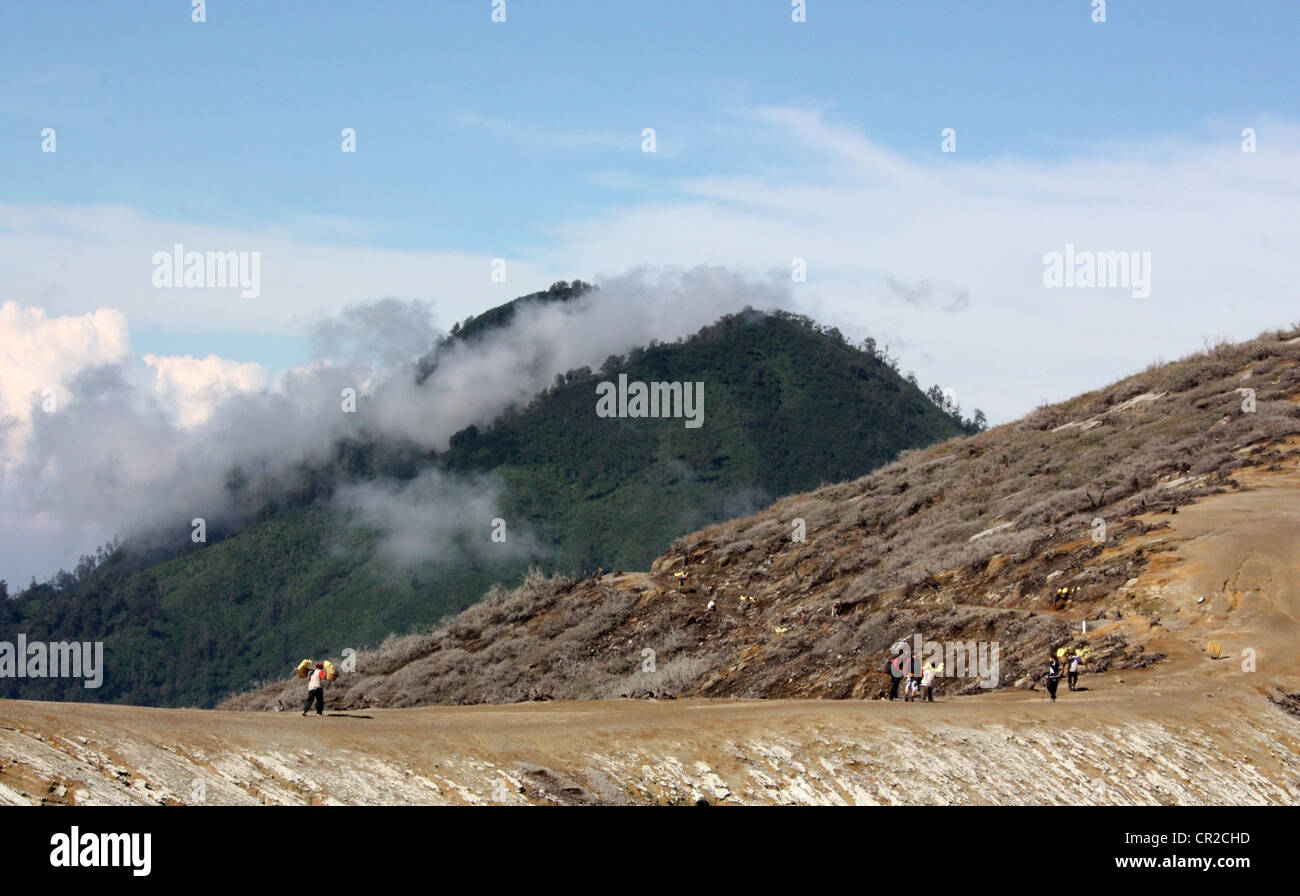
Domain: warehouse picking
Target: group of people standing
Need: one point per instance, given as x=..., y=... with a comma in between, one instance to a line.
x=920, y=678
x=1072, y=666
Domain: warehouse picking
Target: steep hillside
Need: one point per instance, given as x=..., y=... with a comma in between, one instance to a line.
x=578, y=491
x=786, y=409
x=1017, y=537
x=1190, y=730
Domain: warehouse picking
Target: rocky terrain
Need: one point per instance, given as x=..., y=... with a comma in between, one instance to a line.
x=1191, y=729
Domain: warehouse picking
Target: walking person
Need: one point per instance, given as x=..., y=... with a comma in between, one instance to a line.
x=316, y=690
x=1073, y=666
x=1053, y=676
x=927, y=682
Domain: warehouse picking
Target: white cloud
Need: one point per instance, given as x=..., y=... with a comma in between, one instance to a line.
x=39, y=352
x=86, y=427
x=194, y=387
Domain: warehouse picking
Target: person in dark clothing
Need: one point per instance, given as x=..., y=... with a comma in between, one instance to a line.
x=895, y=669
x=1053, y=677
x=316, y=690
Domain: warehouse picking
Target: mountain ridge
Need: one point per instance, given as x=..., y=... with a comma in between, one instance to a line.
x=993, y=538
x=577, y=493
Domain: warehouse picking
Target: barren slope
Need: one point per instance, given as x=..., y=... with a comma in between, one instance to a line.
x=1189, y=730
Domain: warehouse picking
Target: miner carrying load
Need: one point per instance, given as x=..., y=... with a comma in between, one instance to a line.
x=316, y=678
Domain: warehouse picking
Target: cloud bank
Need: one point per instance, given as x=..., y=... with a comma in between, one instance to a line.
x=143, y=445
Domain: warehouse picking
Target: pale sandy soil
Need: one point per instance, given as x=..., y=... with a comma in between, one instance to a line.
x=1191, y=730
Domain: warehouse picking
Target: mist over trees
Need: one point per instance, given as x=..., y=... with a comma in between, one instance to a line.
x=379, y=532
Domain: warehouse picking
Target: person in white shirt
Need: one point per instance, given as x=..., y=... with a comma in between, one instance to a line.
x=1072, y=671
x=912, y=690
x=927, y=682
x=316, y=690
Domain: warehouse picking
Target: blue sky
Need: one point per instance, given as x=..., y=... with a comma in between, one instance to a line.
x=482, y=136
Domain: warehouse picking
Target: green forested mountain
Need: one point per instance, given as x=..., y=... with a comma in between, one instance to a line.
x=788, y=406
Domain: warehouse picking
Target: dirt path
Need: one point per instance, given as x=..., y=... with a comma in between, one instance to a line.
x=1189, y=730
